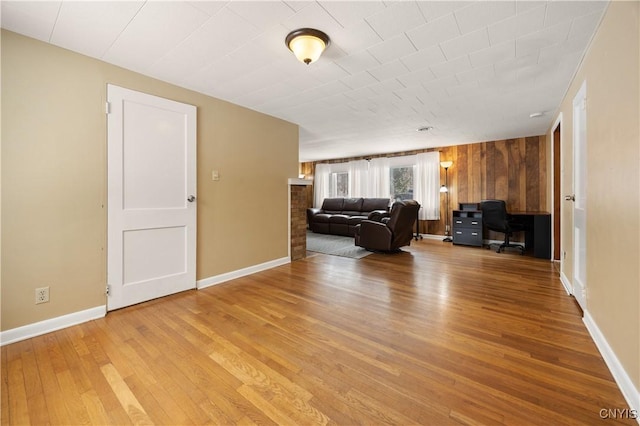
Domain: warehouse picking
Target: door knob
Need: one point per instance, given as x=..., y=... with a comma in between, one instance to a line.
x=570, y=197
x=191, y=199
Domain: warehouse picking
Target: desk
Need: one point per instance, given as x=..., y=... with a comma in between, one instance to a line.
x=537, y=232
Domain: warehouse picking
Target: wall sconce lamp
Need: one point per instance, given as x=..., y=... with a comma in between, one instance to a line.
x=445, y=188
x=307, y=44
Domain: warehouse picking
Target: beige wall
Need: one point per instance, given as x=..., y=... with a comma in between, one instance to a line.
x=611, y=71
x=54, y=179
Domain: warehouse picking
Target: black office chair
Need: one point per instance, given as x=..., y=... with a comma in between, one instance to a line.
x=496, y=218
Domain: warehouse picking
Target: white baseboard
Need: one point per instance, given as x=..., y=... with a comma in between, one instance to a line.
x=624, y=382
x=218, y=279
x=53, y=324
x=432, y=236
x=565, y=283
x=629, y=391
x=442, y=237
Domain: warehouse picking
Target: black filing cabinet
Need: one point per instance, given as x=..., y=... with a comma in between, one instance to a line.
x=467, y=227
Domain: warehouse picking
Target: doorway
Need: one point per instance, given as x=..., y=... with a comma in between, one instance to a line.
x=557, y=187
x=151, y=214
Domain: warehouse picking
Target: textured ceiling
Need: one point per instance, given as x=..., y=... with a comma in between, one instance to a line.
x=474, y=70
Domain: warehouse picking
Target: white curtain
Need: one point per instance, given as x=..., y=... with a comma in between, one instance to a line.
x=373, y=179
x=379, y=181
x=321, y=184
x=426, y=185
x=358, y=178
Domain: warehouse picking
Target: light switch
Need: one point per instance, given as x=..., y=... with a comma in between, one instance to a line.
x=215, y=175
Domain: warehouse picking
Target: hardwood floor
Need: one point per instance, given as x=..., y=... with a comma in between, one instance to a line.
x=438, y=334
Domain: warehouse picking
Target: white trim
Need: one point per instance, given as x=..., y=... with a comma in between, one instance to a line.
x=219, y=279
x=579, y=182
x=555, y=125
x=432, y=236
x=288, y=221
x=296, y=181
x=484, y=242
x=442, y=236
x=64, y=321
x=53, y=324
x=630, y=393
x=566, y=283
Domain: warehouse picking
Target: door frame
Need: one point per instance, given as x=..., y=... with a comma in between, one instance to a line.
x=556, y=189
x=579, y=188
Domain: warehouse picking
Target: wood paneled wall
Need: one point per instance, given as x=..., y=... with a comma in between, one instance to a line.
x=308, y=170
x=513, y=170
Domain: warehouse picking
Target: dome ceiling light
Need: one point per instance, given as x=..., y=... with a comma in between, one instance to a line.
x=307, y=44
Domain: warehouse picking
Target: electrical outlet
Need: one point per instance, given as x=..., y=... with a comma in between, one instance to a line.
x=42, y=295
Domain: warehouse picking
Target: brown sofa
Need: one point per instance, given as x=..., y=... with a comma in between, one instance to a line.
x=392, y=232
x=340, y=216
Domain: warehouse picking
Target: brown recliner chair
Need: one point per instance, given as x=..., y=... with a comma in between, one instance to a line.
x=392, y=232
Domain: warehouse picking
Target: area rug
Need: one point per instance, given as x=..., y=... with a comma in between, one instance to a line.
x=334, y=245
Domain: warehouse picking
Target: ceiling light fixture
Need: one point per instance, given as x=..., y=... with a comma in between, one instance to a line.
x=424, y=129
x=536, y=114
x=307, y=44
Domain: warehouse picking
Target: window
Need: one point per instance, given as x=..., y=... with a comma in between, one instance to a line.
x=339, y=184
x=411, y=177
x=401, y=183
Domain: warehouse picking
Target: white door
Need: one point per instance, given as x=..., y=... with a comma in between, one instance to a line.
x=580, y=198
x=151, y=154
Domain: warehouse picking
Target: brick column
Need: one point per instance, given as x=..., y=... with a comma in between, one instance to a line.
x=298, y=222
